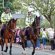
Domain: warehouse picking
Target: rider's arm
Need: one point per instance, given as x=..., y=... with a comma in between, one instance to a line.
x=10, y=15
x=3, y=18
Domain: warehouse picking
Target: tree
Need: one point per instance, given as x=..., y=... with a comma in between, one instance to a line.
x=1, y=6
x=44, y=23
x=46, y=7
x=8, y=3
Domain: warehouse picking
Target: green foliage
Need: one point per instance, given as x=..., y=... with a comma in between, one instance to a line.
x=1, y=10
x=17, y=5
x=9, y=4
x=9, y=0
x=40, y=34
x=46, y=8
x=1, y=7
x=21, y=22
x=47, y=35
x=45, y=23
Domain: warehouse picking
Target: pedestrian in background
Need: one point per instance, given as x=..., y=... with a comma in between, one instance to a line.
x=44, y=37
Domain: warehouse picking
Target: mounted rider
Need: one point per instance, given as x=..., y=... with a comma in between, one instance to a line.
x=6, y=16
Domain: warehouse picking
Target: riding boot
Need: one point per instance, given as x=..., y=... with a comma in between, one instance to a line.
x=10, y=50
x=6, y=49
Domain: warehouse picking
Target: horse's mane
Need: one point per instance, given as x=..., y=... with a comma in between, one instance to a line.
x=34, y=23
x=9, y=25
x=11, y=20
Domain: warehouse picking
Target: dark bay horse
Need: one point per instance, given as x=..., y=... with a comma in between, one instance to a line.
x=31, y=33
x=8, y=33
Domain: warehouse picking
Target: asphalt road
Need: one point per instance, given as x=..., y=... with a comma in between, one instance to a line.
x=17, y=50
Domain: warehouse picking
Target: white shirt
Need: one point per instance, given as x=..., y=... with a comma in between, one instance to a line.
x=5, y=17
x=51, y=34
x=44, y=34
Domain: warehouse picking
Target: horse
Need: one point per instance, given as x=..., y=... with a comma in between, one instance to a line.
x=7, y=34
x=31, y=33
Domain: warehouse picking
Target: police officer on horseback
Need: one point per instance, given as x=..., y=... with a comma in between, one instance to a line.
x=6, y=15
x=5, y=18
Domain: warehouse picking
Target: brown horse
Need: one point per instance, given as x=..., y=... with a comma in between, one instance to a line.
x=31, y=33
x=8, y=34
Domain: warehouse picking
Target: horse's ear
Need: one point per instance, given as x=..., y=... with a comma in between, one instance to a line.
x=16, y=19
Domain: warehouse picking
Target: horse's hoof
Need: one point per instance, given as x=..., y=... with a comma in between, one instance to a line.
x=32, y=53
x=24, y=52
x=10, y=52
x=2, y=50
x=5, y=50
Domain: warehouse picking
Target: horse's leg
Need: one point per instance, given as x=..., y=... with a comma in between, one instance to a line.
x=34, y=44
x=2, y=39
x=6, y=41
x=2, y=44
x=23, y=46
x=11, y=41
x=10, y=45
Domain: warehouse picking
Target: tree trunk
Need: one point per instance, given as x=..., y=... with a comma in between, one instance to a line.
x=50, y=21
x=51, y=24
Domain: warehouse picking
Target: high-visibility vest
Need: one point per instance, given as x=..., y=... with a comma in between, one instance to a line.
x=5, y=17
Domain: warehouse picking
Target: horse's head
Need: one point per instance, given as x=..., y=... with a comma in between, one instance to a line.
x=37, y=20
x=36, y=25
x=12, y=24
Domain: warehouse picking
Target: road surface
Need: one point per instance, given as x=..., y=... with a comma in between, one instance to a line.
x=17, y=50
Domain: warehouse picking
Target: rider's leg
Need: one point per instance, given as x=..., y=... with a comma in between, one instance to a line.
x=6, y=41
